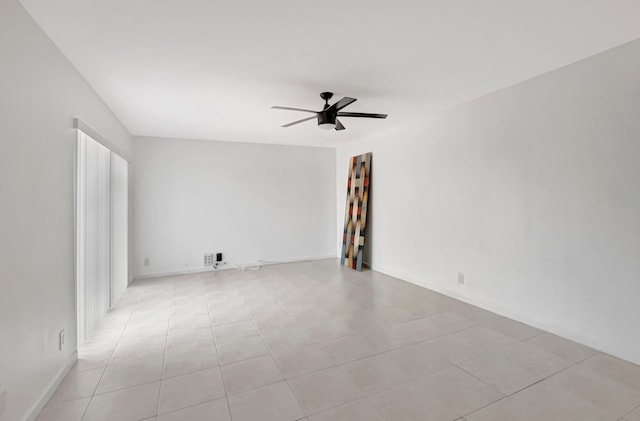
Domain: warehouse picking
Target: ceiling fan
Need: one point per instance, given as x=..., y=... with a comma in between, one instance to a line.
x=328, y=117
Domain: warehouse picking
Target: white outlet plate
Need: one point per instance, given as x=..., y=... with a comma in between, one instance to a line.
x=61, y=340
x=460, y=278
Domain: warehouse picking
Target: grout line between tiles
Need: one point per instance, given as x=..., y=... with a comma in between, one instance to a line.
x=215, y=344
x=524, y=388
x=84, y=413
x=284, y=379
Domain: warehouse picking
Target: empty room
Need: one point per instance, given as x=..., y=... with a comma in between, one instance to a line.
x=319, y=211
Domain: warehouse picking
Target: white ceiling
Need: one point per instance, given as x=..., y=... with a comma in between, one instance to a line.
x=210, y=69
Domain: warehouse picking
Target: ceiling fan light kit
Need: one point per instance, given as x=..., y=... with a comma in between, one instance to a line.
x=327, y=126
x=328, y=117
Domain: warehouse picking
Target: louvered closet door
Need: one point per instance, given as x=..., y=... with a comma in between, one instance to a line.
x=119, y=227
x=93, y=233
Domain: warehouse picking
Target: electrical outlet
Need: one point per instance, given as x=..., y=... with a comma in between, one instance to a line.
x=460, y=278
x=147, y=262
x=218, y=257
x=61, y=340
x=208, y=259
x=3, y=402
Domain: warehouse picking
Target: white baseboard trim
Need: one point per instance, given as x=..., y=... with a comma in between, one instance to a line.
x=231, y=266
x=51, y=388
x=561, y=331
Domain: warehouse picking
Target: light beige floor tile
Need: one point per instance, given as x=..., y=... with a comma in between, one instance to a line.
x=517, y=330
x=235, y=331
x=177, y=363
x=303, y=360
x=217, y=410
x=390, y=337
x=250, y=374
x=64, y=411
x=130, y=373
x=569, y=351
x=190, y=389
x=148, y=331
x=223, y=302
x=276, y=323
x=433, y=326
x=228, y=316
x=500, y=373
x=92, y=362
x=449, y=322
x=546, y=401
x=286, y=340
x=347, y=348
x=376, y=373
x=192, y=322
x=458, y=390
x=532, y=358
x=139, y=348
x=265, y=310
x=615, y=369
x=327, y=330
x=188, y=319
x=324, y=390
x=633, y=415
x=469, y=343
x=187, y=341
x=241, y=349
x=77, y=385
x=363, y=323
x=133, y=404
x=414, y=361
x=361, y=410
x=408, y=403
x=503, y=410
x=583, y=382
x=274, y=402
x=392, y=314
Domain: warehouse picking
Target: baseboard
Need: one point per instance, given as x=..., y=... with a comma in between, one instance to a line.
x=561, y=331
x=51, y=388
x=231, y=266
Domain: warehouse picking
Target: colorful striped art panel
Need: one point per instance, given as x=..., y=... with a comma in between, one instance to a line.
x=355, y=216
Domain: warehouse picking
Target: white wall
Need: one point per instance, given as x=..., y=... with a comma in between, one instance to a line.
x=251, y=202
x=532, y=192
x=40, y=94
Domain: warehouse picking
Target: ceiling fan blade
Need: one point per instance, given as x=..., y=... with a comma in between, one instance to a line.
x=367, y=115
x=342, y=103
x=299, y=121
x=339, y=125
x=277, y=107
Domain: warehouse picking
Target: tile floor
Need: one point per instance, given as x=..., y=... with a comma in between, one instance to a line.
x=314, y=341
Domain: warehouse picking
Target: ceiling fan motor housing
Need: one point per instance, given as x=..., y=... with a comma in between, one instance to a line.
x=327, y=116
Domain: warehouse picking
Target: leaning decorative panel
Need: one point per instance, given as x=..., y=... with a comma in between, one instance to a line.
x=355, y=217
